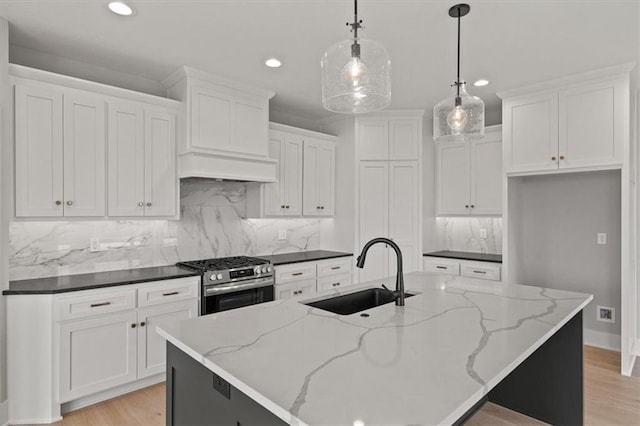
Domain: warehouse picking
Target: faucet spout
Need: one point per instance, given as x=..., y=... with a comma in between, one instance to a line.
x=399, y=275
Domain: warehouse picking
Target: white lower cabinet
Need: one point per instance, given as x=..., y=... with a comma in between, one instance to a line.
x=466, y=268
x=97, y=354
x=152, y=347
x=306, y=278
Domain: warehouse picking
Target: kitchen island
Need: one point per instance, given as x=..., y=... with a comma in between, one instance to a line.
x=456, y=344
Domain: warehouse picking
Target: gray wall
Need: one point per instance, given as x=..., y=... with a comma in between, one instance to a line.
x=561, y=215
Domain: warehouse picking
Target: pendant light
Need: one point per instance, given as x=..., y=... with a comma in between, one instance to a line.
x=461, y=116
x=356, y=74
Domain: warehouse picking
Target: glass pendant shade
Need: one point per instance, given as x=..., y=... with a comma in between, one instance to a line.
x=356, y=84
x=459, y=117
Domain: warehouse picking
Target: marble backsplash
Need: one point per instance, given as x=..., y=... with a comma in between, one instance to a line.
x=463, y=234
x=212, y=224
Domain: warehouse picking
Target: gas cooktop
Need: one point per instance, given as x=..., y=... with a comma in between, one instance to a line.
x=223, y=263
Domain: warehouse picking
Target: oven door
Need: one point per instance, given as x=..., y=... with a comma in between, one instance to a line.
x=213, y=302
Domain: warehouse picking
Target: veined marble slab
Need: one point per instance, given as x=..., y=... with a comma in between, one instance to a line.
x=425, y=363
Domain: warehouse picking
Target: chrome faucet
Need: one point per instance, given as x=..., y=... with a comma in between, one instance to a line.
x=399, y=293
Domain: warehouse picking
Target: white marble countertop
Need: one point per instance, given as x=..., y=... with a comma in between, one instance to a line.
x=425, y=363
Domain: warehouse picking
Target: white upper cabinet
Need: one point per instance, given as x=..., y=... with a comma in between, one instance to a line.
x=469, y=176
x=388, y=139
x=142, y=162
x=319, y=178
x=306, y=176
x=160, y=187
x=84, y=155
x=84, y=149
x=60, y=152
x=126, y=159
x=570, y=125
x=39, y=152
x=226, y=131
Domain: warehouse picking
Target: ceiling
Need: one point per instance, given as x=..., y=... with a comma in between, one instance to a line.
x=510, y=42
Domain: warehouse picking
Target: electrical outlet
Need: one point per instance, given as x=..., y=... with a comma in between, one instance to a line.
x=606, y=314
x=483, y=233
x=601, y=238
x=282, y=234
x=94, y=244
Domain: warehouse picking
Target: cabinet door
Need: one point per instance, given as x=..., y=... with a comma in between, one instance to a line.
x=211, y=115
x=296, y=289
x=373, y=139
x=38, y=115
x=403, y=139
x=84, y=155
x=327, y=179
x=126, y=159
x=97, y=354
x=592, y=124
x=486, y=175
x=273, y=192
x=152, y=347
x=292, y=175
x=530, y=133
x=403, y=214
x=160, y=181
x=311, y=178
x=251, y=126
x=373, y=217
x=452, y=179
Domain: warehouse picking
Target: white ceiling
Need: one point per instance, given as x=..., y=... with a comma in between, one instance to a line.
x=510, y=42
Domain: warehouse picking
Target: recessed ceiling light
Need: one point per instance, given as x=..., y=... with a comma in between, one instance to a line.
x=273, y=63
x=120, y=8
x=481, y=82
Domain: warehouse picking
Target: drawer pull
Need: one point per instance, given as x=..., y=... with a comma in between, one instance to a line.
x=335, y=284
x=335, y=267
x=133, y=325
x=142, y=324
x=295, y=274
x=441, y=267
x=479, y=272
x=171, y=293
x=95, y=305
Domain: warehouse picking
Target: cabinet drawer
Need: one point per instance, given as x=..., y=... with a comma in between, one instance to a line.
x=100, y=303
x=334, y=282
x=295, y=289
x=441, y=266
x=169, y=291
x=482, y=270
x=334, y=267
x=295, y=272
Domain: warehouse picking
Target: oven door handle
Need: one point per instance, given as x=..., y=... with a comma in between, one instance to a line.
x=220, y=289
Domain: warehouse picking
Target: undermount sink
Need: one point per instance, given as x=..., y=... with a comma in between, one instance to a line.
x=356, y=302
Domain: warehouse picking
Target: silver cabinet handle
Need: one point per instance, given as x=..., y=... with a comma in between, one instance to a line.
x=148, y=204
x=69, y=202
x=140, y=204
x=95, y=305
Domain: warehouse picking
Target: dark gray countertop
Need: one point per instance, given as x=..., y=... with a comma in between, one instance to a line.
x=467, y=255
x=303, y=256
x=62, y=284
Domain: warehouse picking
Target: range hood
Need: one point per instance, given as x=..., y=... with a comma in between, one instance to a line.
x=225, y=128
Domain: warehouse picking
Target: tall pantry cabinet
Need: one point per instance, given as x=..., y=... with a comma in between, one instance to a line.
x=389, y=201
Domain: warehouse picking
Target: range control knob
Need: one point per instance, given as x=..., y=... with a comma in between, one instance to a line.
x=212, y=277
x=269, y=269
x=264, y=269
x=219, y=276
x=257, y=269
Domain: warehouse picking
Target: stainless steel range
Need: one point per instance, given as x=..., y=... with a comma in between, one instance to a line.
x=233, y=282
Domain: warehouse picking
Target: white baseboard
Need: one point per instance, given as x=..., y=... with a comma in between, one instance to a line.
x=4, y=413
x=602, y=340
x=79, y=403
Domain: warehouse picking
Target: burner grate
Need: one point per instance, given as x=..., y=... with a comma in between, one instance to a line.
x=223, y=263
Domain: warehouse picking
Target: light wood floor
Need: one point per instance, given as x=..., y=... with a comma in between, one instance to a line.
x=610, y=399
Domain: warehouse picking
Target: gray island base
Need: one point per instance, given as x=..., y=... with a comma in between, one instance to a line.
x=456, y=345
